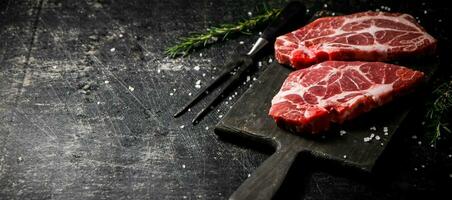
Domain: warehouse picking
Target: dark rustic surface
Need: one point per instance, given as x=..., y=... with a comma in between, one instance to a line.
x=87, y=97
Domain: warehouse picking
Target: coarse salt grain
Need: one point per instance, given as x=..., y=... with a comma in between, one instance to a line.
x=259, y=64
x=248, y=78
x=207, y=128
x=183, y=166
x=345, y=156
x=107, y=82
x=181, y=126
x=220, y=116
x=241, y=42
x=373, y=128
x=367, y=139
x=198, y=82
x=342, y=132
x=189, y=94
x=198, y=86
x=250, y=13
x=414, y=137
x=171, y=94
x=377, y=137
x=196, y=68
x=419, y=143
x=203, y=74
x=270, y=60
x=131, y=88
x=112, y=49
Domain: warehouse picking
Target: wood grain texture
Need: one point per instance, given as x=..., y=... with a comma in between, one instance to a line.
x=249, y=118
x=86, y=105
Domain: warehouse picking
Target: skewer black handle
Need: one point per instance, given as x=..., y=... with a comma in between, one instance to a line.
x=292, y=16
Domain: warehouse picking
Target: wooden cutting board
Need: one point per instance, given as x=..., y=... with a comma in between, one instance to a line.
x=249, y=118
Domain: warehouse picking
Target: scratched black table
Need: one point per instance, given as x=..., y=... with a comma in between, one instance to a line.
x=87, y=97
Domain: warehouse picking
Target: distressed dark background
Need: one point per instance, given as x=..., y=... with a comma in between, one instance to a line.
x=87, y=97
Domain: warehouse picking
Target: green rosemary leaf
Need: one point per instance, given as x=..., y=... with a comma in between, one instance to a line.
x=224, y=31
x=438, y=110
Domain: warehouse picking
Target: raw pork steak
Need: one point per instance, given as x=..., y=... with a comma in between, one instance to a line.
x=334, y=91
x=366, y=36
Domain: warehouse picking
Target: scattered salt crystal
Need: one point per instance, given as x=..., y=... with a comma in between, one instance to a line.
x=226, y=103
x=432, y=145
x=184, y=197
x=229, y=98
x=414, y=137
x=260, y=33
x=377, y=137
x=112, y=49
x=183, y=166
x=259, y=64
x=120, y=35
x=254, y=78
x=241, y=42
x=440, y=20
x=270, y=60
x=325, y=5
x=249, y=175
x=158, y=71
x=203, y=74
x=250, y=13
x=425, y=12
x=367, y=139
x=131, y=88
x=345, y=156
x=198, y=82
x=207, y=128
x=106, y=82
x=419, y=143
x=189, y=94
x=181, y=126
x=385, y=129
x=174, y=89
x=189, y=110
x=196, y=68
x=200, y=54
x=248, y=78
x=98, y=102
x=373, y=128
x=19, y=159
x=382, y=144
x=171, y=94
x=342, y=132
x=372, y=136
x=198, y=86
x=423, y=166
x=386, y=133
x=54, y=67
x=220, y=116
x=450, y=155
x=415, y=169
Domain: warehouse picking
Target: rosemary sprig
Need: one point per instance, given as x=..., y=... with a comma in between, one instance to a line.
x=437, y=115
x=221, y=33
